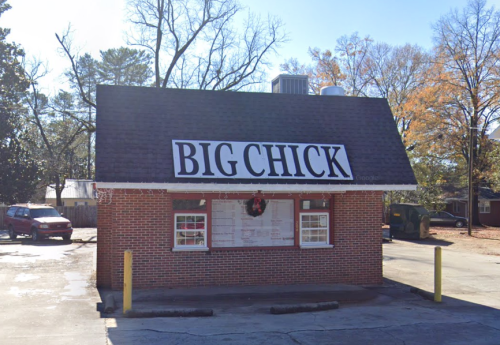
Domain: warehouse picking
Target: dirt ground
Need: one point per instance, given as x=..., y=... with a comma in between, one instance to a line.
x=484, y=240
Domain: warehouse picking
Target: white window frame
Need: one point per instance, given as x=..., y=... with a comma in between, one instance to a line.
x=191, y=247
x=456, y=207
x=484, y=206
x=306, y=245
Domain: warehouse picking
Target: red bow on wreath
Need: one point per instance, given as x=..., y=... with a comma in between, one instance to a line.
x=256, y=205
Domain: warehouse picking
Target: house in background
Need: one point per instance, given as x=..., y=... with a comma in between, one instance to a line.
x=75, y=193
x=489, y=205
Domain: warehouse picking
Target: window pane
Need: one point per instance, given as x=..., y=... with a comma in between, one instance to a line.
x=190, y=230
x=190, y=238
x=315, y=230
x=314, y=204
x=181, y=241
x=189, y=204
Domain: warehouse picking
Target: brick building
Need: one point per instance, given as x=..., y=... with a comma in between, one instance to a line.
x=227, y=188
x=489, y=204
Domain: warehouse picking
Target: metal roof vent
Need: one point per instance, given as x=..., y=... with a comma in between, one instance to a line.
x=332, y=91
x=292, y=84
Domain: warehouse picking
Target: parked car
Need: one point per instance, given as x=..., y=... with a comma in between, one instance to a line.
x=37, y=221
x=445, y=218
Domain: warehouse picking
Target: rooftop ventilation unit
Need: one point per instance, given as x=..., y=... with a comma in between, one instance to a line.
x=293, y=84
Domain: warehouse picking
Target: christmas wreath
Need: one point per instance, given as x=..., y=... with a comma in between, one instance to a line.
x=256, y=207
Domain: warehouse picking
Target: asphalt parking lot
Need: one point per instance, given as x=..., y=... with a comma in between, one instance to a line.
x=50, y=298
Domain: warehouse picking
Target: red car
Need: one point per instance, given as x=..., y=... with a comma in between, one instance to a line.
x=38, y=221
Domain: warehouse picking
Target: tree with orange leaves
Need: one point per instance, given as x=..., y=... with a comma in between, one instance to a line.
x=462, y=97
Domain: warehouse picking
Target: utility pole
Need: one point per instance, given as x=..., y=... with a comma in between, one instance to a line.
x=472, y=132
x=89, y=142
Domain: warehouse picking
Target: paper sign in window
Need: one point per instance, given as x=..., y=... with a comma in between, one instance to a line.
x=322, y=220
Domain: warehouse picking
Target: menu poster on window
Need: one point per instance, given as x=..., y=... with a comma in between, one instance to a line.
x=233, y=227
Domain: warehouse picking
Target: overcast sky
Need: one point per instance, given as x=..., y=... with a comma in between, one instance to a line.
x=100, y=25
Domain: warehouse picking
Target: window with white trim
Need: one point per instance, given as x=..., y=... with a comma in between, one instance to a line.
x=484, y=207
x=456, y=207
x=314, y=229
x=190, y=230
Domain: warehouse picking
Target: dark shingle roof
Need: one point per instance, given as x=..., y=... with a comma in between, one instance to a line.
x=135, y=128
x=462, y=194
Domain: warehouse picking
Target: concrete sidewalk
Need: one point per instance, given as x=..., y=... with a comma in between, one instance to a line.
x=238, y=300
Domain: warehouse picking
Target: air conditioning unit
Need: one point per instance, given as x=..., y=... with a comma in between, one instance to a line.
x=292, y=84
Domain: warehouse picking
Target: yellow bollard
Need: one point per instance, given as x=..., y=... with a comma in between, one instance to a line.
x=127, y=281
x=437, y=274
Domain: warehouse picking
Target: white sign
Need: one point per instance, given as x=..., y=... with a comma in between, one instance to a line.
x=252, y=160
x=233, y=227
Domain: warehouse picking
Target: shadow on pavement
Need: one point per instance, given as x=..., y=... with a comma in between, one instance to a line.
x=78, y=238
x=430, y=241
x=27, y=241
x=236, y=300
x=392, y=315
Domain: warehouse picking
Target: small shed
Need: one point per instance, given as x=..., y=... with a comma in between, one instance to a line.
x=216, y=188
x=75, y=193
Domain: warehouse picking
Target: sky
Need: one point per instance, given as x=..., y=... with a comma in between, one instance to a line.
x=101, y=24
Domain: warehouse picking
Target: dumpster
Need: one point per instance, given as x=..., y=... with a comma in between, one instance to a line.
x=409, y=221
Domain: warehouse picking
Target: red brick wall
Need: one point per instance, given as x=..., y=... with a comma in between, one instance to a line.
x=491, y=219
x=140, y=220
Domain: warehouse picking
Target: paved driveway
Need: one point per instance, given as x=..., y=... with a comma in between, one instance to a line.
x=466, y=276
x=47, y=293
x=48, y=299
x=395, y=317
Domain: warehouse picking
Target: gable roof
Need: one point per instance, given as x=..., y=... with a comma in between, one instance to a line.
x=136, y=126
x=495, y=135
x=73, y=189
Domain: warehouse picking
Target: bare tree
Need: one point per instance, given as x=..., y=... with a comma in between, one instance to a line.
x=195, y=44
x=58, y=135
x=66, y=44
x=324, y=71
x=353, y=55
x=397, y=73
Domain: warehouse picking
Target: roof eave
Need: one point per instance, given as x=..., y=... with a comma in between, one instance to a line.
x=217, y=187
